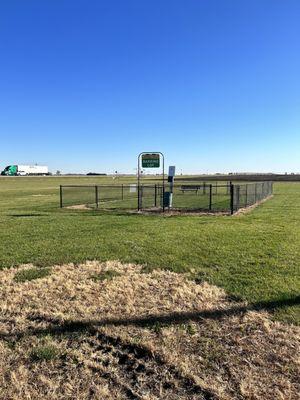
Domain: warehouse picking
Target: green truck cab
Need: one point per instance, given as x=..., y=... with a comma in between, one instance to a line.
x=10, y=170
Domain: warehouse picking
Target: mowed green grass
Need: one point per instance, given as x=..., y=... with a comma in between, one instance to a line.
x=255, y=256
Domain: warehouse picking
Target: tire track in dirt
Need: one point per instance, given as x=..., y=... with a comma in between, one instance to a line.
x=139, y=372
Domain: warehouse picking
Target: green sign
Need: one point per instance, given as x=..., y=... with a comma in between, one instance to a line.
x=150, y=160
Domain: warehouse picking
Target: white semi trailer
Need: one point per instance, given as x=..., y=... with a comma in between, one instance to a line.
x=23, y=170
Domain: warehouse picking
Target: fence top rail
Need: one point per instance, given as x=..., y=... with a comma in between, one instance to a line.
x=108, y=186
x=180, y=185
x=79, y=186
x=250, y=183
x=201, y=185
x=143, y=185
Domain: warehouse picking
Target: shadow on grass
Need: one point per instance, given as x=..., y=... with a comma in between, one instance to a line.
x=99, y=212
x=58, y=327
x=25, y=215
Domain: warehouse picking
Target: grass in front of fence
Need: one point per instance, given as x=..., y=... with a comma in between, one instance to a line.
x=253, y=256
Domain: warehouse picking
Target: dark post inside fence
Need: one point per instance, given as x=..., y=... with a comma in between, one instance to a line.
x=60, y=195
x=246, y=195
x=96, y=196
x=155, y=195
x=210, y=197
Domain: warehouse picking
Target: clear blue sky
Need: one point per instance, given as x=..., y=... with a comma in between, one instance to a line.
x=87, y=85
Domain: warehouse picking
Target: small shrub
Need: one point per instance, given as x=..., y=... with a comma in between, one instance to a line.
x=44, y=353
x=146, y=269
x=11, y=344
x=31, y=274
x=157, y=327
x=198, y=277
x=191, y=329
x=108, y=275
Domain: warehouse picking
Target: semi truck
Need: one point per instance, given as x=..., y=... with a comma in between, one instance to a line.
x=23, y=170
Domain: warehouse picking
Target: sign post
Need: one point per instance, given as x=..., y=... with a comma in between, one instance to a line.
x=171, y=175
x=150, y=160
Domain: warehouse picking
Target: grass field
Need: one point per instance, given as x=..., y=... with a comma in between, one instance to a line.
x=180, y=307
x=254, y=257
x=113, y=331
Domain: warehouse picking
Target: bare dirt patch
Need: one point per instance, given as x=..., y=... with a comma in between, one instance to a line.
x=42, y=195
x=248, y=209
x=137, y=336
x=177, y=211
x=79, y=207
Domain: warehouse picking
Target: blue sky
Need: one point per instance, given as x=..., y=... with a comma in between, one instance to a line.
x=87, y=85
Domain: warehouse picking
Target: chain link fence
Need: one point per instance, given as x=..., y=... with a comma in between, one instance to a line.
x=209, y=197
x=248, y=194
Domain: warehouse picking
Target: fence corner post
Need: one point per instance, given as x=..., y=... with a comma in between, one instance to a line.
x=60, y=196
x=96, y=196
x=231, y=198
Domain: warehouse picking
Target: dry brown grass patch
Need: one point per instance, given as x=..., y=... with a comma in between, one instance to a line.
x=145, y=336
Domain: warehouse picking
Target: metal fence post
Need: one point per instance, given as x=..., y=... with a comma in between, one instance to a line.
x=140, y=197
x=228, y=187
x=246, y=199
x=238, y=197
x=96, y=196
x=60, y=196
x=155, y=195
x=210, y=197
x=231, y=198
